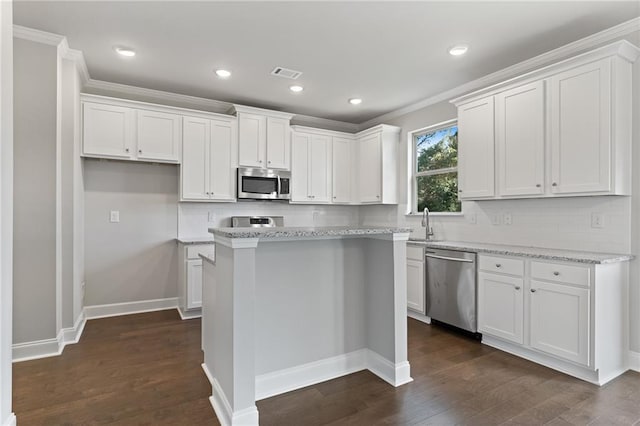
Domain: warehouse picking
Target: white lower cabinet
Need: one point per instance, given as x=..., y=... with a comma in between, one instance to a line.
x=501, y=306
x=567, y=316
x=560, y=320
x=415, y=279
x=190, y=278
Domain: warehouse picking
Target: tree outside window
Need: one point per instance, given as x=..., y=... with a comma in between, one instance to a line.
x=436, y=170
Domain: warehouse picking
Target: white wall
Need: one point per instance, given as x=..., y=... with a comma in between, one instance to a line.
x=135, y=259
x=6, y=208
x=34, y=261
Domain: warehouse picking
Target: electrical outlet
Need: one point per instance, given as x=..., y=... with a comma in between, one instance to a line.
x=507, y=219
x=114, y=216
x=495, y=219
x=597, y=220
x=472, y=218
x=211, y=217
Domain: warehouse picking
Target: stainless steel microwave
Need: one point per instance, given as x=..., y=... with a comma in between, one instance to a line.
x=263, y=184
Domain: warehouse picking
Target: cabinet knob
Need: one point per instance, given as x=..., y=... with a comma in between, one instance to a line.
x=260, y=161
x=538, y=185
x=459, y=190
x=126, y=150
x=554, y=184
x=533, y=290
x=334, y=197
x=556, y=273
x=139, y=151
x=269, y=162
x=517, y=287
x=377, y=196
x=498, y=265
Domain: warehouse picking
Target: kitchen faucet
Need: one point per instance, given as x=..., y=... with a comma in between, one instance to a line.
x=425, y=223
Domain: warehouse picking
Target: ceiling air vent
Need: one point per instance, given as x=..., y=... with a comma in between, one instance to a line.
x=286, y=73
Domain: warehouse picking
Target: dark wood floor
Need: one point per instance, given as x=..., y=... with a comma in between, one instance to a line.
x=145, y=370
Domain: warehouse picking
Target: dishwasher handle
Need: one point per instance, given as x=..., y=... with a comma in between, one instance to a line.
x=454, y=259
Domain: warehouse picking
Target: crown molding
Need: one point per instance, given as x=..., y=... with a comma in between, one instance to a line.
x=37, y=36
x=560, y=53
x=324, y=123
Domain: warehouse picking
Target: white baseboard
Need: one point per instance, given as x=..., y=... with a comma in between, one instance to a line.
x=49, y=347
x=222, y=408
x=418, y=316
x=297, y=377
x=394, y=374
x=634, y=361
x=127, y=308
x=10, y=421
x=187, y=315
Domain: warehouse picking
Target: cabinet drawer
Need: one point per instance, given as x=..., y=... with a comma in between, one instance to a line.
x=415, y=253
x=502, y=265
x=570, y=274
x=206, y=249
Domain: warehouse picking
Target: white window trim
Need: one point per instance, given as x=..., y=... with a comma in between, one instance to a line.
x=411, y=176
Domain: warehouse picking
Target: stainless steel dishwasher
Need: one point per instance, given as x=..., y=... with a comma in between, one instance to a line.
x=451, y=288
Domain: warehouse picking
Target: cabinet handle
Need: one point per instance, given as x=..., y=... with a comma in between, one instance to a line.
x=533, y=290
x=554, y=184
x=538, y=185
x=556, y=273
x=517, y=287
x=498, y=265
x=459, y=190
x=377, y=196
x=334, y=197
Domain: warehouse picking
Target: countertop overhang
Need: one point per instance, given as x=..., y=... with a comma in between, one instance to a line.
x=534, y=252
x=310, y=232
x=196, y=240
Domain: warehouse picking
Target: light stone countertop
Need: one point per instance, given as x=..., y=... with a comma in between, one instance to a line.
x=534, y=252
x=196, y=240
x=297, y=232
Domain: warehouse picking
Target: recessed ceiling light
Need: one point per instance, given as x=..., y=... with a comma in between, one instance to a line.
x=125, y=51
x=223, y=73
x=458, y=50
x=296, y=89
x=355, y=101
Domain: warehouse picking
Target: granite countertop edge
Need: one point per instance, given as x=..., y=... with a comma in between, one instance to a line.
x=196, y=240
x=533, y=252
x=296, y=232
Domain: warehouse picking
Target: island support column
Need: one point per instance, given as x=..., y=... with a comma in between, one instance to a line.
x=228, y=318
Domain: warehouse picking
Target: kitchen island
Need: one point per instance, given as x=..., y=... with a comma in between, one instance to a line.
x=285, y=308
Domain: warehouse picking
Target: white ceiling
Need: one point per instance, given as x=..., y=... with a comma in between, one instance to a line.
x=391, y=54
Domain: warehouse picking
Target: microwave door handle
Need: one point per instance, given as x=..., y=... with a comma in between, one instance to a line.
x=279, y=187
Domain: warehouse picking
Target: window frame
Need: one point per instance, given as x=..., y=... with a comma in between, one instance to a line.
x=413, y=174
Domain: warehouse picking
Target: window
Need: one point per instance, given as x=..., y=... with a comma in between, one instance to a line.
x=435, y=168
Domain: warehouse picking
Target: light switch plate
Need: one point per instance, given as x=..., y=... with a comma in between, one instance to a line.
x=597, y=220
x=495, y=219
x=114, y=216
x=211, y=217
x=472, y=218
x=507, y=219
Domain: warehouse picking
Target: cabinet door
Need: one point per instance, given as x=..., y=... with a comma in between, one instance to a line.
x=415, y=286
x=370, y=168
x=278, y=143
x=560, y=320
x=300, y=191
x=252, y=134
x=476, y=160
x=520, y=140
x=194, y=284
x=159, y=136
x=319, y=169
x=222, y=161
x=501, y=306
x=341, y=174
x=108, y=130
x=194, y=169
x=581, y=129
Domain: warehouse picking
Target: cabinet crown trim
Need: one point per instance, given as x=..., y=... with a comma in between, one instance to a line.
x=622, y=49
x=315, y=130
x=268, y=112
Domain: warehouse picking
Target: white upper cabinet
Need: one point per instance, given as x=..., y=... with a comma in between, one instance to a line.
x=264, y=138
x=342, y=170
x=581, y=129
x=520, y=136
x=159, y=136
x=378, y=165
x=563, y=130
x=209, y=159
x=108, y=130
x=476, y=150
x=311, y=168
